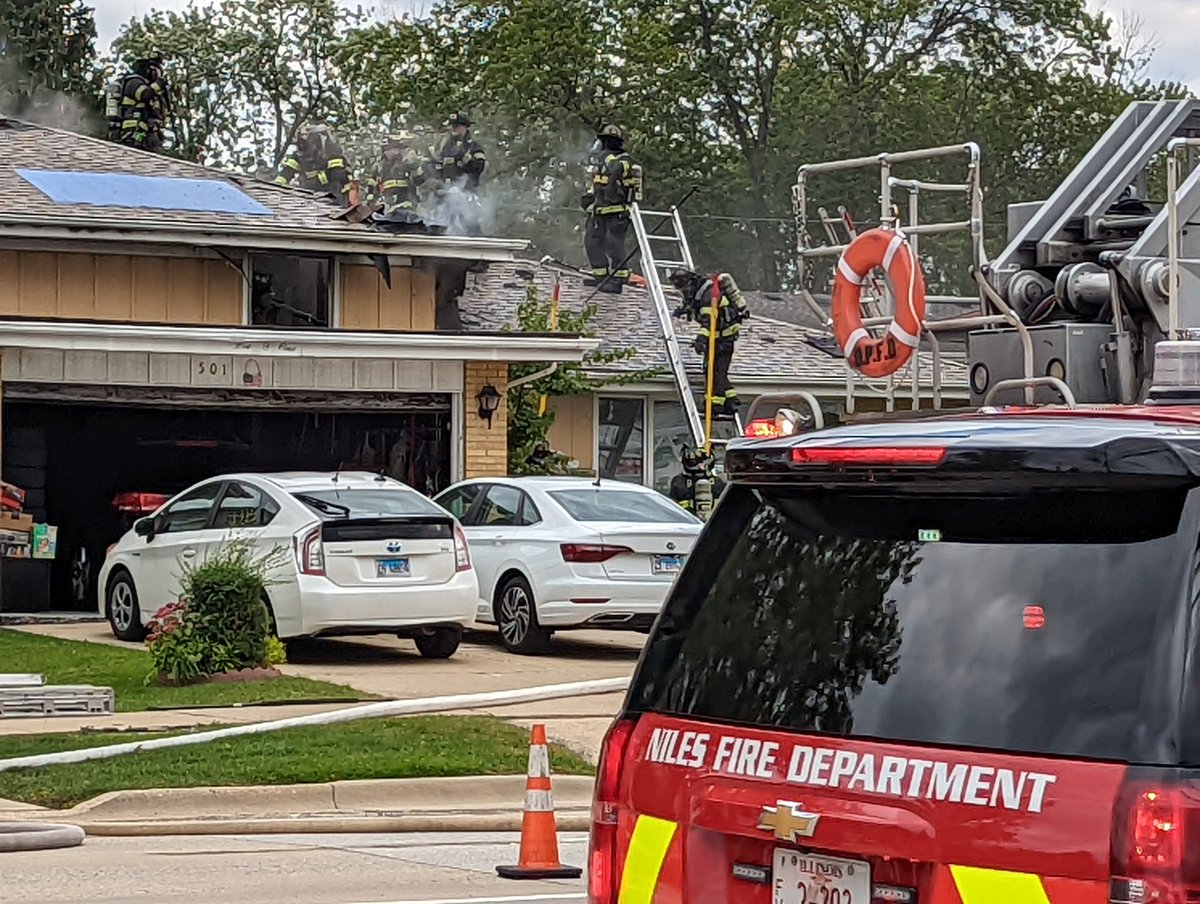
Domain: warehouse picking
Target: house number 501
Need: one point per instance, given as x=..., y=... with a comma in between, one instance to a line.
x=211, y=368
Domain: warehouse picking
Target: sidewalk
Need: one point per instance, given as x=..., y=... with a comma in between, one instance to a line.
x=467, y=804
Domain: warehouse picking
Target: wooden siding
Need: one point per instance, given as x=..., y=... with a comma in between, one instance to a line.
x=54, y=284
x=573, y=432
x=368, y=303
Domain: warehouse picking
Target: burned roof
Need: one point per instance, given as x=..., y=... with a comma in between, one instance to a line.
x=770, y=350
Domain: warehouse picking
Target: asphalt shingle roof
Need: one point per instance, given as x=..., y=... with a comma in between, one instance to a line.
x=27, y=146
x=769, y=350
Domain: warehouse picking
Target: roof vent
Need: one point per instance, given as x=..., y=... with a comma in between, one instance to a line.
x=1176, y=373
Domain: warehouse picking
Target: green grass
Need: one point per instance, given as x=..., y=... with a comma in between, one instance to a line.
x=419, y=746
x=125, y=671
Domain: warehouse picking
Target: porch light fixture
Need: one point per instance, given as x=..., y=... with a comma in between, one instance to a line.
x=489, y=400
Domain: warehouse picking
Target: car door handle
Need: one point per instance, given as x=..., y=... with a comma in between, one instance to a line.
x=189, y=553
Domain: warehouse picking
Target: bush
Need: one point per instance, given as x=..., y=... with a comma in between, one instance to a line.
x=225, y=595
x=222, y=624
x=174, y=645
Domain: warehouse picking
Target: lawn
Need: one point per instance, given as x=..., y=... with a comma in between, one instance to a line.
x=125, y=671
x=414, y=747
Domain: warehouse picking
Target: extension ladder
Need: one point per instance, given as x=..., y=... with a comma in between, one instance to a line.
x=698, y=425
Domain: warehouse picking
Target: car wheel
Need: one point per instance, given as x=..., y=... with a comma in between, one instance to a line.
x=81, y=575
x=441, y=644
x=124, y=614
x=516, y=617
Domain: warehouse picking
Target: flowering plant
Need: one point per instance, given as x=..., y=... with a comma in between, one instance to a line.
x=174, y=644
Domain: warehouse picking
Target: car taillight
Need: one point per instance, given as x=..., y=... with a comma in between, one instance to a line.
x=310, y=553
x=591, y=552
x=1156, y=829
x=462, y=552
x=602, y=856
x=898, y=456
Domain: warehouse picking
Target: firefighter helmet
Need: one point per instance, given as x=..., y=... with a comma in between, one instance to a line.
x=402, y=138
x=611, y=131
x=681, y=278
x=459, y=119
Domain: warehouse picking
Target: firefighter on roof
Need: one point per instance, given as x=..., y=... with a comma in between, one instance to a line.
x=138, y=105
x=616, y=182
x=698, y=292
x=401, y=174
x=461, y=159
x=318, y=162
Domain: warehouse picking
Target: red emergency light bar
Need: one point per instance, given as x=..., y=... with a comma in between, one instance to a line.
x=896, y=456
x=762, y=428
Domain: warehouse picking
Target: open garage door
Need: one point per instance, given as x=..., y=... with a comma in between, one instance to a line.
x=75, y=458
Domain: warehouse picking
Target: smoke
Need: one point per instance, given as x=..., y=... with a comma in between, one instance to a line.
x=22, y=98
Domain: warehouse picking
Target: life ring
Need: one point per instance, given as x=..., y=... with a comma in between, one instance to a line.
x=889, y=250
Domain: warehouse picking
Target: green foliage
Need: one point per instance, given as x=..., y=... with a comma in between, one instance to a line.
x=248, y=74
x=124, y=670
x=276, y=652
x=225, y=602
x=175, y=646
x=527, y=429
x=47, y=62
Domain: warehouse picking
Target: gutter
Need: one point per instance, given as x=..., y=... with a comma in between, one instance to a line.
x=332, y=240
x=107, y=337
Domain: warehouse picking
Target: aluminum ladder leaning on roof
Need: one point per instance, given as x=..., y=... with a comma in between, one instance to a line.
x=698, y=426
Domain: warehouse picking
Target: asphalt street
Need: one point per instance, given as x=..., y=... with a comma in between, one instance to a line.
x=316, y=869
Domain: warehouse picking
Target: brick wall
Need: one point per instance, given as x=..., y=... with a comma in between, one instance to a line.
x=487, y=450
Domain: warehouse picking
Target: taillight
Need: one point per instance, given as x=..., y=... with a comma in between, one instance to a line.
x=310, y=553
x=1156, y=828
x=591, y=553
x=898, y=456
x=602, y=857
x=462, y=552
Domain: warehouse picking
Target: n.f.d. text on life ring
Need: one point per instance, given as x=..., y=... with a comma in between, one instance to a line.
x=886, y=355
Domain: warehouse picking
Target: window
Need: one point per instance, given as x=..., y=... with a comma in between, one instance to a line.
x=383, y=501
x=459, y=500
x=620, y=505
x=502, y=507
x=290, y=290
x=1034, y=622
x=190, y=512
x=620, y=439
x=244, y=506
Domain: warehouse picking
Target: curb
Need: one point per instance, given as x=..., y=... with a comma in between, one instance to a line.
x=461, y=804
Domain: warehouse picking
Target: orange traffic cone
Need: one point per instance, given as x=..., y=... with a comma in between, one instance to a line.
x=539, y=839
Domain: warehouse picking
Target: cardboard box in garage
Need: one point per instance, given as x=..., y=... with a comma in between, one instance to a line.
x=16, y=521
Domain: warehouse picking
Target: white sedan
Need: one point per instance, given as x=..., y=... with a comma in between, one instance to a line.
x=364, y=555
x=568, y=552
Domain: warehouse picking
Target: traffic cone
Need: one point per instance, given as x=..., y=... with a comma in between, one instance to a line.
x=539, y=838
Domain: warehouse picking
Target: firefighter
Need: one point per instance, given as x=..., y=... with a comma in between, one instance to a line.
x=318, y=162
x=697, y=464
x=401, y=174
x=461, y=159
x=145, y=99
x=616, y=182
x=731, y=312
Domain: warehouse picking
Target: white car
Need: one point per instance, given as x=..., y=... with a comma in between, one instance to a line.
x=568, y=552
x=364, y=555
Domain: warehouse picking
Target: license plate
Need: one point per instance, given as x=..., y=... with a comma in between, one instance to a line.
x=392, y=568
x=667, y=564
x=800, y=878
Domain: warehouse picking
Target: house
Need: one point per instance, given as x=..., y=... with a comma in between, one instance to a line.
x=161, y=322
x=635, y=431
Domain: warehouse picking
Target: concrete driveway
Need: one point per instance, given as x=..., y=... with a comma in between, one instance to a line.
x=393, y=669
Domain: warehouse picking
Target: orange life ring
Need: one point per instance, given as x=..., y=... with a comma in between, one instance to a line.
x=889, y=250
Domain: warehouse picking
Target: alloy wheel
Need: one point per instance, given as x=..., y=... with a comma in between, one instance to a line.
x=515, y=614
x=120, y=604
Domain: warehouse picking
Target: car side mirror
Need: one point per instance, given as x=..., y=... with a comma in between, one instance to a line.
x=144, y=527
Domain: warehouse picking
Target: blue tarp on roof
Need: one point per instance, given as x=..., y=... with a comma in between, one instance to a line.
x=149, y=192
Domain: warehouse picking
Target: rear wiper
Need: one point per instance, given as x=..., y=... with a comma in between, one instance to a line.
x=321, y=505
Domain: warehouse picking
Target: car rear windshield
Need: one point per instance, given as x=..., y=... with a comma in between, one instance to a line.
x=603, y=504
x=361, y=503
x=1034, y=622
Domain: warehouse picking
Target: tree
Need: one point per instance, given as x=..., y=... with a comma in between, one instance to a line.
x=734, y=95
x=249, y=74
x=528, y=424
x=47, y=62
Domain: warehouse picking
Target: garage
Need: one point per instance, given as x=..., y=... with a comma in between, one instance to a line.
x=88, y=467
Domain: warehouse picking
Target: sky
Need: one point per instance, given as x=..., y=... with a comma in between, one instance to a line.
x=1172, y=24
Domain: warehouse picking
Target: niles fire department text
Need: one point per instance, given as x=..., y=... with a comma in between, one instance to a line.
x=825, y=767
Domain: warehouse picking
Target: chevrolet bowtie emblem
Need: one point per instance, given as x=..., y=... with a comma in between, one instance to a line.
x=788, y=821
